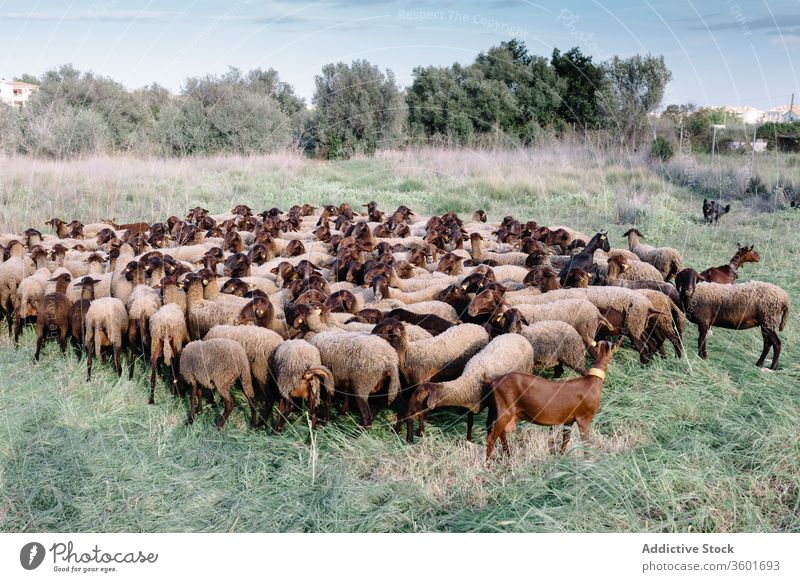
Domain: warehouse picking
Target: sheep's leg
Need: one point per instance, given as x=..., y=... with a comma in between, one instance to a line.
x=17, y=330
x=89, y=359
x=76, y=345
x=421, y=426
x=9, y=314
x=776, y=344
x=558, y=371
x=675, y=339
x=767, y=345
x=470, y=422
x=39, y=342
x=178, y=388
x=117, y=362
x=62, y=339
x=702, y=331
x=312, y=409
x=192, y=396
x=131, y=354
x=327, y=407
x=281, y=416
x=227, y=406
x=363, y=408
x=153, y=367
x=644, y=356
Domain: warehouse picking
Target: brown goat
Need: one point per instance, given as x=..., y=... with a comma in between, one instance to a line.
x=517, y=396
x=727, y=273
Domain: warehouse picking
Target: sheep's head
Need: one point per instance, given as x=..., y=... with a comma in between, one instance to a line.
x=485, y=302
x=423, y=399
x=513, y=321
x=235, y=286
x=380, y=286
x=392, y=330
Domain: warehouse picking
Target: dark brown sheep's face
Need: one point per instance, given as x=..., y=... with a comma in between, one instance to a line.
x=206, y=276
x=381, y=287
x=63, y=277
x=484, y=303
x=418, y=403
x=685, y=282
x=391, y=330
x=371, y=315
x=87, y=282
x=235, y=287
x=513, y=321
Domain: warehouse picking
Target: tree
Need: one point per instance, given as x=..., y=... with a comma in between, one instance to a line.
x=226, y=113
x=584, y=81
x=358, y=109
x=506, y=93
x=634, y=88
x=26, y=78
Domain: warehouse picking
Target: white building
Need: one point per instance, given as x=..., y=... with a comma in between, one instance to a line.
x=750, y=115
x=16, y=93
x=782, y=114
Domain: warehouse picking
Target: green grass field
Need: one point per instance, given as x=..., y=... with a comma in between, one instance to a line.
x=679, y=445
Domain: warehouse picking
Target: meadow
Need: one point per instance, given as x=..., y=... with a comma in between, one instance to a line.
x=679, y=445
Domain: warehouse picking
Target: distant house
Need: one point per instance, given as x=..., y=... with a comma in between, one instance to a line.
x=760, y=146
x=16, y=93
x=782, y=114
x=750, y=115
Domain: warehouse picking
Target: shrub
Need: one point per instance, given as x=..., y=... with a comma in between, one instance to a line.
x=661, y=149
x=64, y=132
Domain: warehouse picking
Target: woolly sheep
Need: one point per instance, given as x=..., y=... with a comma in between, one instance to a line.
x=106, y=324
x=168, y=333
x=297, y=373
x=258, y=342
x=627, y=310
x=204, y=314
x=668, y=324
x=216, y=364
x=556, y=344
x=439, y=358
x=580, y=314
x=506, y=353
x=666, y=259
x=738, y=306
x=361, y=365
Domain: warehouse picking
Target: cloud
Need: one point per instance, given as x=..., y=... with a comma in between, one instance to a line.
x=340, y=3
x=91, y=16
x=786, y=24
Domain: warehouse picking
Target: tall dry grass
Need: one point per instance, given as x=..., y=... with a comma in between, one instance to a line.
x=128, y=188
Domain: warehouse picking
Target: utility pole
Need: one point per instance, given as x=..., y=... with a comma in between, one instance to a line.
x=753, y=164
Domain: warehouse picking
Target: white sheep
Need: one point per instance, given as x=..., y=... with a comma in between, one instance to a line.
x=506, y=353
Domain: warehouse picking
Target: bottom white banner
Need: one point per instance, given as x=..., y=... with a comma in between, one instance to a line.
x=388, y=557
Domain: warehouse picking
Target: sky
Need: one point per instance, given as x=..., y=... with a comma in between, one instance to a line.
x=721, y=52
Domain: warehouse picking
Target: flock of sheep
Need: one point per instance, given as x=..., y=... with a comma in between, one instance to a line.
x=370, y=309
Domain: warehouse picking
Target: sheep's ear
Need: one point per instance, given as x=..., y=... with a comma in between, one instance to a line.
x=432, y=398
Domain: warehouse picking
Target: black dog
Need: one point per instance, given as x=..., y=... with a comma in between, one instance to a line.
x=712, y=210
